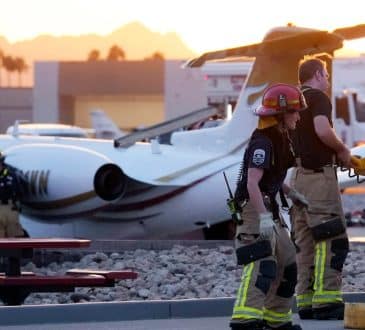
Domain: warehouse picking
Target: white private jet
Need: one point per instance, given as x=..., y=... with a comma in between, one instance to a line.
x=102, y=128
x=47, y=129
x=100, y=189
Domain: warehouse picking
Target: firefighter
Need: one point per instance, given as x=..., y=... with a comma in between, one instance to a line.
x=10, y=188
x=263, y=245
x=320, y=230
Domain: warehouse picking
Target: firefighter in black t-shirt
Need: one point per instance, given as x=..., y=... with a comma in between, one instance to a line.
x=10, y=190
x=319, y=230
x=263, y=245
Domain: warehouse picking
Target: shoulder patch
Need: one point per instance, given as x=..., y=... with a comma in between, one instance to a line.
x=258, y=156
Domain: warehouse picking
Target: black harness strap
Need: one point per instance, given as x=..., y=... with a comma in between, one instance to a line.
x=284, y=202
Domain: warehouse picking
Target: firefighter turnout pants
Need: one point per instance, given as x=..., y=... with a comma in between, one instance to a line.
x=321, y=238
x=269, y=272
x=9, y=222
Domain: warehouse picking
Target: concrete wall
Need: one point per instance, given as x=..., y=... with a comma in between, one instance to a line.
x=127, y=111
x=15, y=103
x=131, y=92
x=184, y=89
x=46, y=92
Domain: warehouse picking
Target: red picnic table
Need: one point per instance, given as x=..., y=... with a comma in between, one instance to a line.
x=15, y=286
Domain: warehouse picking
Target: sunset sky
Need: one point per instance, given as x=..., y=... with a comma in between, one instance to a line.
x=202, y=25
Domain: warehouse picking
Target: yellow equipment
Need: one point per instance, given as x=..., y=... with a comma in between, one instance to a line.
x=358, y=164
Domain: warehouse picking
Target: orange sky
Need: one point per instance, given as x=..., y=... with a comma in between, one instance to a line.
x=202, y=25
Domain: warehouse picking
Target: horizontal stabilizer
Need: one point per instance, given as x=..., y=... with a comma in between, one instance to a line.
x=304, y=42
x=250, y=50
x=352, y=32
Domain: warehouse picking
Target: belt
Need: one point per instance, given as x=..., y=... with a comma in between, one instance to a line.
x=316, y=170
x=320, y=169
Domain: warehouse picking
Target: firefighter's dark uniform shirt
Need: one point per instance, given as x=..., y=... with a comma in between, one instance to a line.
x=10, y=185
x=270, y=150
x=313, y=153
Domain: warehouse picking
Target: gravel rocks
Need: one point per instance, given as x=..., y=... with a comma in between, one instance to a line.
x=182, y=272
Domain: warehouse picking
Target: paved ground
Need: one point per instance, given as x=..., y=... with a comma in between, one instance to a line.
x=109, y=311
x=212, y=323
x=356, y=234
x=201, y=314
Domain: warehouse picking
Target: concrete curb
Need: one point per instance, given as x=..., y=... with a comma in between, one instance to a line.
x=109, y=246
x=125, y=245
x=125, y=311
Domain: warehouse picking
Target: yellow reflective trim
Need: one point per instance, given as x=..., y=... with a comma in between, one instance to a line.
x=247, y=313
x=272, y=316
x=326, y=300
x=277, y=319
x=323, y=264
x=329, y=292
x=4, y=172
x=316, y=258
x=245, y=281
x=319, y=265
x=327, y=296
x=239, y=292
x=276, y=314
x=304, y=299
x=250, y=309
x=304, y=296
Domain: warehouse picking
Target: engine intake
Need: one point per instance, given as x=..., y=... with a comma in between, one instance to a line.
x=110, y=182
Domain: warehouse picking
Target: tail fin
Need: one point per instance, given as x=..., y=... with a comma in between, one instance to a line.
x=266, y=69
x=276, y=60
x=235, y=133
x=104, y=127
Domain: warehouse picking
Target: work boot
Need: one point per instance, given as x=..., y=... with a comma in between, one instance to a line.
x=306, y=313
x=251, y=324
x=333, y=311
x=286, y=326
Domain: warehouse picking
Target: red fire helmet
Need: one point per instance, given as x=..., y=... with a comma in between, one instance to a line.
x=280, y=98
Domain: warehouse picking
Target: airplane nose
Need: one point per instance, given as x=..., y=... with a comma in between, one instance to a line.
x=110, y=182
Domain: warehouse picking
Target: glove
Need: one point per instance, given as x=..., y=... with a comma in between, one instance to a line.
x=266, y=226
x=297, y=198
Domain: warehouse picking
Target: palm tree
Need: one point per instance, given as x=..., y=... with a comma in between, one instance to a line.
x=115, y=53
x=20, y=66
x=155, y=56
x=94, y=55
x=10, y=66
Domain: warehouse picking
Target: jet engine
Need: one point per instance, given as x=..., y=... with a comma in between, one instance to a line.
x=109, y=182
x=64, y=180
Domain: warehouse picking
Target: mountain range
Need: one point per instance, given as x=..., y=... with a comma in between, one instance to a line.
x=134, y=38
